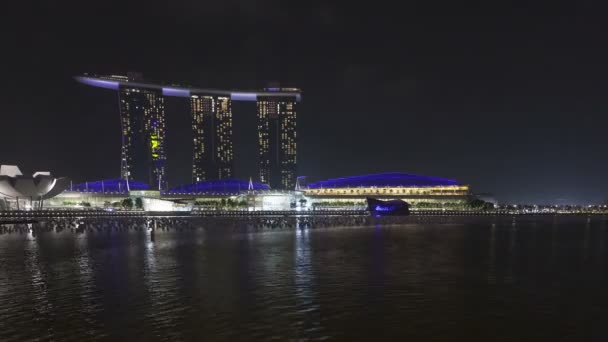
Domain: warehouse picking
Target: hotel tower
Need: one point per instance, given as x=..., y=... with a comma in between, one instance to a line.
x=212, y=128
x=277, y=140
x=142, y=118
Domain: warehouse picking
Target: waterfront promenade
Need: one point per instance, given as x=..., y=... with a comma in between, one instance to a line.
x=7, y=216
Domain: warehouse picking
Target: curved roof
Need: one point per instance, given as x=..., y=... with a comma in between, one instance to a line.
x=13, y=184
x=388, y=179
x=219, y=186
x=110, y=185
x=114, y=83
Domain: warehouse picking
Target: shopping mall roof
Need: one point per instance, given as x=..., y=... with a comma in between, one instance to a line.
x=388, y=179
x=109, y=186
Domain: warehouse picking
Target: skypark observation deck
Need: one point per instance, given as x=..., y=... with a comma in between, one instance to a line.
x=115, y=82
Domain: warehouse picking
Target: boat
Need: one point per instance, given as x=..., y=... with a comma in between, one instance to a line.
x=395, y=207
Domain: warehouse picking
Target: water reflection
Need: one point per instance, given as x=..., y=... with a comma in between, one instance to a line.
x=586, y=242
x=306, y=296
x=601, y=245
x=491, y=276
x=512, y=255
x=38, y=285
x=87, y=291
x=541, y=278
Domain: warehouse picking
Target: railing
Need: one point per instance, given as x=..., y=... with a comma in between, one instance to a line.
x=27, y=214
x=36, y=214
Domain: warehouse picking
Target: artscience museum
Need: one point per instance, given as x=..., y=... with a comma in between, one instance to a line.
x=18, y=191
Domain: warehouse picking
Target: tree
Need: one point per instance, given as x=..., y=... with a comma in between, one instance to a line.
x=477, y=204
x=127, y=203
x=139, y=203
x=423, y=205
x=303, y=202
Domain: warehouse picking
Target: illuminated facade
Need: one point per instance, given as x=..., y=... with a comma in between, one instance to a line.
x=142, y=117
x=277, y=140
x=389, y=186
x=212, y=128
x=392, y=191
x=389, y=190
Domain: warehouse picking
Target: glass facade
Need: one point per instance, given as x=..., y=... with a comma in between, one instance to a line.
x=277, y=140
x=212, y=137
x=143, y=155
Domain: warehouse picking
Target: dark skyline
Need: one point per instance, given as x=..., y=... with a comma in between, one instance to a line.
x=508, y=98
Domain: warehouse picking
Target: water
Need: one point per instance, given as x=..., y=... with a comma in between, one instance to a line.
x=485, y=279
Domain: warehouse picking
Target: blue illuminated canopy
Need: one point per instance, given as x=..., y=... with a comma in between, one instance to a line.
x=109, y=186
x=388, y=179
x=219, y=186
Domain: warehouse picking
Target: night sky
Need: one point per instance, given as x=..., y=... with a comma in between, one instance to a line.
x=510, y=99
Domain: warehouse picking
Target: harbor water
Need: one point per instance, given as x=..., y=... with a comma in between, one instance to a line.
x=468, y=279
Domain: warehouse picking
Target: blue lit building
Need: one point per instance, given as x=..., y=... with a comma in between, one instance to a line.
x=384, y=180
x=102, y=193
x=419, y=190
x=116, y=186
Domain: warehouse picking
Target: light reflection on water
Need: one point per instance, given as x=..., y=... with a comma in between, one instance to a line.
x=470, y=279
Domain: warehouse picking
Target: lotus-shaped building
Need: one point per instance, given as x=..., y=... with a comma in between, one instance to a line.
x=15, y=187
